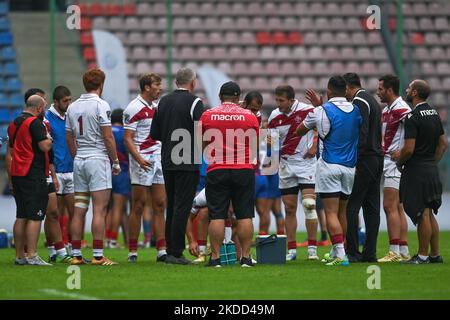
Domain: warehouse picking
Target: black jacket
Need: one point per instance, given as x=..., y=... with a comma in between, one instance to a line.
x=370, y=134
x=178, y=111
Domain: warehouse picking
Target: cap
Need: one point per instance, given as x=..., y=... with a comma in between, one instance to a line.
x=230, y=88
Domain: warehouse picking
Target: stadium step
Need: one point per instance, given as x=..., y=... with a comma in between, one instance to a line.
x=32, y=35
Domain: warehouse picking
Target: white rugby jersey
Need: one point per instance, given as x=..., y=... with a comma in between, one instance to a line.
x=138, y=117
x=84, y=117
x=393, y=129
x=292, y=147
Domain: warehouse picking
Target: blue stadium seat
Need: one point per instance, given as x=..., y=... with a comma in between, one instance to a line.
x=4, y=8
x=4, y=131
x=3, y=136
x=11, y=69
x=13, y=84
x=6, y=39
x=2, y=85
x=14, y=113
x=4, y=115
x=8, y=53
x=15, y=100
x=4, y=101
x=4, y=24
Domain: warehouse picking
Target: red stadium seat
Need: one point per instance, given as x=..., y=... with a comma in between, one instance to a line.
x=263, y=38
x=89, y=54
x=85, y=24
x=129, y=9
x=417, y=38
x=83, y=9
x=295, y=38
x=113, y=9
x=392, y=24
x=364, y=24
x=96, y=9
x=279, y=38
x=92, y=65
x=86, y=39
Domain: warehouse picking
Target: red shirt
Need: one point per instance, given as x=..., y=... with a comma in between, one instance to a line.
x=232, y=133
x=24, y=133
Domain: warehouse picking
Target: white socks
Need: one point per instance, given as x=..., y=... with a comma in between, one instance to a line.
x=162, y=252
x=51, y=250
x=394, y=248
x=404, y=250
x=228, y=234
x=312, y=250
x=339, y=250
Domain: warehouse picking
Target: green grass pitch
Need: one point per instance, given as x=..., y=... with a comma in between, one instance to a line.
x=300, y=279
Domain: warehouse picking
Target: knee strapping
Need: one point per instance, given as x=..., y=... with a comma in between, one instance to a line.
x=82, y=201
x=309, y=206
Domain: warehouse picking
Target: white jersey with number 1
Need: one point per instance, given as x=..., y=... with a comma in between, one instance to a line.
x=85, y=117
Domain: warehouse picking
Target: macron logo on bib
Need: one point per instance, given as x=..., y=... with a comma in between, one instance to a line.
x=227, y=117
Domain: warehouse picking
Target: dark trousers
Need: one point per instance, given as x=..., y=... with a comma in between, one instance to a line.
x=365, y=194
x=180, y=190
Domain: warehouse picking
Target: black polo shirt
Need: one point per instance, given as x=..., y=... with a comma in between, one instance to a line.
x=175, y=120
x=370, y=132
x=424, y=125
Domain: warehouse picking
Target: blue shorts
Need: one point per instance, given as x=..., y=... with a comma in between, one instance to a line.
x=121, y=184
x=273, y=191
x=201, y=183
x=261, y=187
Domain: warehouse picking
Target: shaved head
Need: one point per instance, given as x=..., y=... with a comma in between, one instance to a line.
x=422, y=87
x=418, y=90
x=35, y=104
x=34, y=101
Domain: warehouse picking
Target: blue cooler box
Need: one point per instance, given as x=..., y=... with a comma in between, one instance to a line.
x=228, y=254
x=271, y=249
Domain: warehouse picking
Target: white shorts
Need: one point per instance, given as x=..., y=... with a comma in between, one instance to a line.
x=391, y=175
x=65, y=181
x=146, y=178
x=92, y=174
x=200, y=199
x=295, y=174
x=333, y=178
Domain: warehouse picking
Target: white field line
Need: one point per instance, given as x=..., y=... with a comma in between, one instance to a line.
x=59, y=293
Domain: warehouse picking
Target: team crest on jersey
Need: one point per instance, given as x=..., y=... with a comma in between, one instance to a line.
x=108, y=114
x=126, y=118
x=298, y=119
x=409, y=115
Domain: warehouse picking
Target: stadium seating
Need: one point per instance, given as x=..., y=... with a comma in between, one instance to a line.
x=11, y=99
x=261, y=43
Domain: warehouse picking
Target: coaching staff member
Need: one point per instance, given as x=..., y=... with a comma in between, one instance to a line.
x=29, y=146
x=176, y=115
x=230, y=135
x=369, y=168
x=420, y=186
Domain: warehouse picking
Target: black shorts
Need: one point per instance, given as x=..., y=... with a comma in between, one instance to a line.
x=223, y=185
x=51, y=187
x=420, y=188
x=31, y=197
x=295, y=190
